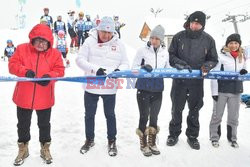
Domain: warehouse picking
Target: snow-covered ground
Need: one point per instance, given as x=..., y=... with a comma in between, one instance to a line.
x=68, y=129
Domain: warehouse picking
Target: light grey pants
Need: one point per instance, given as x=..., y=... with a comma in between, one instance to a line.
x=233, y=105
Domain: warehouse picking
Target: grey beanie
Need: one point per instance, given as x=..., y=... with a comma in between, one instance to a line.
x=158, y=32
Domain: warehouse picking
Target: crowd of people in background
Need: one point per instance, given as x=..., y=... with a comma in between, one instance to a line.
x=77, y=26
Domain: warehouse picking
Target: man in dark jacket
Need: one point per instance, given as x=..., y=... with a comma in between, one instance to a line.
x=190, y=49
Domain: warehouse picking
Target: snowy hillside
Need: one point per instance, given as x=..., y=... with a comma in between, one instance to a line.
x=68, y=129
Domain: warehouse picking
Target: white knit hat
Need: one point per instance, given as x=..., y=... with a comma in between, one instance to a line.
x=106, y=24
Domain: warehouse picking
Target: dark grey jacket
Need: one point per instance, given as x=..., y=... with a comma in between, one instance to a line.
x=194, y=51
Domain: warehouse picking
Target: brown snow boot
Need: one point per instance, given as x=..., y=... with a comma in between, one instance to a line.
x=143, y=142
x=23, y=153
x=45, y=152
x=152, y=139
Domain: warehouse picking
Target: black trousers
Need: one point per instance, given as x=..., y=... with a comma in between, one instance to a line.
x=192, y=92
x=149, y=104
x=24, y=121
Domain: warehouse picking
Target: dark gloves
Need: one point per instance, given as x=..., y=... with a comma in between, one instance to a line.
x=30, y=74
x=45, y=82
x=101, y=71
x=147, y=67
x=204, y=70
x=115, y=71
x=243, y=71
x=215, y=98
x=182, y=67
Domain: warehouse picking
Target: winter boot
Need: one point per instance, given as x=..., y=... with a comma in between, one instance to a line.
x=151, y=140
x=112, y=149
x=172, y=140
x=45, y=152
x=23, y=153
x=234, y=144
x=143, y=143
x=193, y=143
x=215, y=143
x=87, y=145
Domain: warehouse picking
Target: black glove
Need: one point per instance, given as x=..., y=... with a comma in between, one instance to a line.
x=101, y=71
x=243, y=71
x=215, y=98
x=182, y=67
x=115, y=71
x=45, y=82
x=188, y=67
x=30, y=74
x=204, y=71
x=147, y=67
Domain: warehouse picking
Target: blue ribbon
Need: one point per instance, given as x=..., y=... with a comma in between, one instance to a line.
x=157, y=73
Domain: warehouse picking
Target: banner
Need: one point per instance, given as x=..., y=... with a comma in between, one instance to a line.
x=140, y=73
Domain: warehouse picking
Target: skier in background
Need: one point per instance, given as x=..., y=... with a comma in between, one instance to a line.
x=80, y=28
x=71, y=30
x=9, y=50
x=96, y=21
x=47, y=17
x=88, y=24
x=61, y=45
x=59, y=25
x=118, y=25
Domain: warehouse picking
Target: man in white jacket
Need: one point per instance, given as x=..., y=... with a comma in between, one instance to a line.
x=101, y=53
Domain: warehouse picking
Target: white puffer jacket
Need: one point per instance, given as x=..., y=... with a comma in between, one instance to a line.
x=229, y=64
x=110, y=55
x=159, y=60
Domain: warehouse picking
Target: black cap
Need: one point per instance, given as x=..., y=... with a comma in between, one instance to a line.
x=199, y=17
x=233, y=37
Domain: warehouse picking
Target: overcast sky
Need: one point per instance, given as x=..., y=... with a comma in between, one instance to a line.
x=131, y=12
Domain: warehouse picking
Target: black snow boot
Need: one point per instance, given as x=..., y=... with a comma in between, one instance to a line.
x=193, y=143
x=112, y=149
x=87, y=145
x=172, y=140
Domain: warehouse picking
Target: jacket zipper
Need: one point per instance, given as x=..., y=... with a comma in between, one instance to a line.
x=156, y=58
x=34, y=91
x=235, y=65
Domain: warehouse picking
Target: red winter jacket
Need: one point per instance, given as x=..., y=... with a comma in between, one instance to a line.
x=31, y=95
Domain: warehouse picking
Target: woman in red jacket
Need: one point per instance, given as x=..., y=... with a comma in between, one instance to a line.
x=36, y=59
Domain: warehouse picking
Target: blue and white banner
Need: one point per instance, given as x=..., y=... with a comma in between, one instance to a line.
x=157, y=73
x=174, y=73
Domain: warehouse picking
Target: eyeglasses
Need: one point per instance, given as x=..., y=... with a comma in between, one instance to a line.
x=41, y=42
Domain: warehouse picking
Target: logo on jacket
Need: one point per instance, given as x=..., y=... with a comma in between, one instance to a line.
x=113, y=48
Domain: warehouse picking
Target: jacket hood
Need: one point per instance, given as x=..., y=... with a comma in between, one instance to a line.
x=42, y=31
